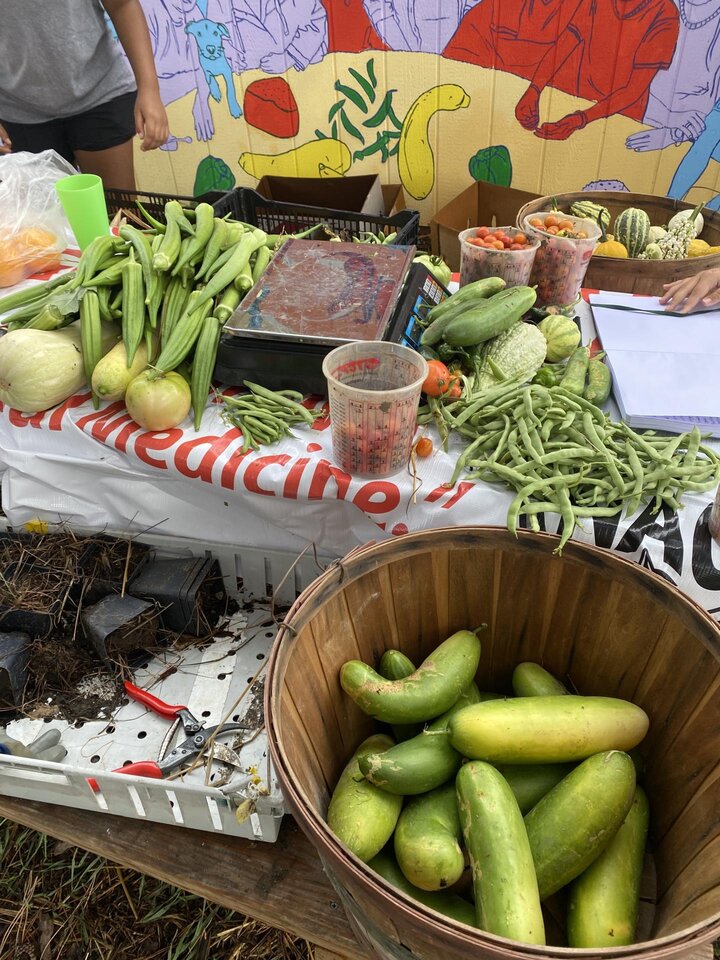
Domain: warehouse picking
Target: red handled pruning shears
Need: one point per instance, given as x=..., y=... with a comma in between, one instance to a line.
x=197, y=735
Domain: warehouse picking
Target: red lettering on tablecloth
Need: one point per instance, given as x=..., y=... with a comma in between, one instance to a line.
x=121, y=440
x=159, y=440
x=437, y=494
x=252, y=474
x=101, y=416
x=77, y=400
x=389, y=492
x=462, y=489
x=323, y=422
x=216, y=445
x=322, y=473
x=108, y=421
x=227, y=477
x=292, y=483
x=18, y=419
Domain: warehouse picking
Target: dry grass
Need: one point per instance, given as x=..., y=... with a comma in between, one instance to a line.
x=60, y=903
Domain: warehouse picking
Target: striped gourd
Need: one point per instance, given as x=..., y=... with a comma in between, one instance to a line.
x=588, y=210
x=632, y=229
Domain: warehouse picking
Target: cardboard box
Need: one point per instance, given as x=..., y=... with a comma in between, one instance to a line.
x=356, y=194
x=482, y=204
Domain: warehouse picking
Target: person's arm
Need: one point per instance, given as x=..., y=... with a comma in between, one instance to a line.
x=702, y=290
x=5, y=141
x=527, y=110
x=151, y=121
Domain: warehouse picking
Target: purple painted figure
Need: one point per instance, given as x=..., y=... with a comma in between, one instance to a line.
x=424, y=26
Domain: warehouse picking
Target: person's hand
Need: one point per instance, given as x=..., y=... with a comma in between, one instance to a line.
x=653, y=139
x=5, y=141
x=527, y=111
x=151, y=122
x=562, y=129
x=702, y=290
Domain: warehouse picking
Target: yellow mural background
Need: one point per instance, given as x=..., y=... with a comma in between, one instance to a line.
x=597, y=152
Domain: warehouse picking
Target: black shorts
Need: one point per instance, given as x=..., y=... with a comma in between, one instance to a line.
x=107, y=125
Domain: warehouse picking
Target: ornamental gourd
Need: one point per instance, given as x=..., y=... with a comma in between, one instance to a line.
x=609, y=246
x=517, y=354
x=632, y=229
x=588, y=210
x=41, y=368
x=562, y=335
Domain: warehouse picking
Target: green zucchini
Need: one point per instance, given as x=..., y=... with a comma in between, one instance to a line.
x=530, y=782
x=430, y=691
x=426, y=840
x=394, y=665
x=506, y=891
x=532, y=680
x=604, y=901
x=546, y=729
x=360, y=815
x=489, y=318
x=575, y=822
x=479, y=290
x=423, y=763
x=449, y=904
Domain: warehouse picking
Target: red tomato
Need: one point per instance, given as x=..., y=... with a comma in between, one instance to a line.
x=520, y=238
x=507, y=242
x=424, y=447
x=482, y=232
x=437, y=380
x=517, y=246
x=553, y=230
x=499, y=245
x=455, y=390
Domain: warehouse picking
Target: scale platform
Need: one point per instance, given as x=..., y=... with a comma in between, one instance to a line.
x=316, y=295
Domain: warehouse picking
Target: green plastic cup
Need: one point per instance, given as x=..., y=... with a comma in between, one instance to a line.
x=83, y=200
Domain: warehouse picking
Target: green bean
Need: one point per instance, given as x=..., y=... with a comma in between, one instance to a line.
x=568, y=518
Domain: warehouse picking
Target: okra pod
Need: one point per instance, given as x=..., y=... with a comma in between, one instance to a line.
x=133, y=312
x=203, y=366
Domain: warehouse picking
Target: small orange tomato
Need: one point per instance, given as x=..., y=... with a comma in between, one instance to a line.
x=551, y=221
x=482, y=232
x=424, y=447
x=520, y=238
x=438, y=378
x=455, y=390
x=536, y=222
x=553, y=230
x=582, y=236
x=565, y=225
x=517, y=246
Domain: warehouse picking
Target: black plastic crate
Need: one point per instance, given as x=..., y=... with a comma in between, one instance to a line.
x=154, y=203
x=273, y=216
x=189, y=592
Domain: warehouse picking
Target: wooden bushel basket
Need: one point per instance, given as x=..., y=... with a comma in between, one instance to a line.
x=632, y=275
x=597, y=620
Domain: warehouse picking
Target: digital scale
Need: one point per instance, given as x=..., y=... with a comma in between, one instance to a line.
x=316, y=295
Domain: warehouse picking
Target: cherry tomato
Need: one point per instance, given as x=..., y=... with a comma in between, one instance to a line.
x=553, y=230
x=475, y=241
x=424, y=447
x=507, y=242
x=520, y=238
x=565, y=225
x=551, y=221
x=517, y=246
x=438, y=378
x=499, y=245
x=455, y=390
x=582, y=236
x=482, y=232
x=536, y=222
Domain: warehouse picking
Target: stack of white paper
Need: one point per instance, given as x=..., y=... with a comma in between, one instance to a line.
x=665, y=367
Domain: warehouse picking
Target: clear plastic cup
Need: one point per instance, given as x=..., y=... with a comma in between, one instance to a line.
x=514, y=266
x=83, y=199
x=374, y=390
x=561, y=262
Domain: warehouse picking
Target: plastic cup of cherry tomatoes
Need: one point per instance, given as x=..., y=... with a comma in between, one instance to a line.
x=562, y=259
x=506, y=252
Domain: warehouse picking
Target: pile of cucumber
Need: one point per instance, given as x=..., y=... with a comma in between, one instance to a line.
x=536, y=791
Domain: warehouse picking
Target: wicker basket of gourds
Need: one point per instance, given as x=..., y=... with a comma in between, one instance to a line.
x=642, y=221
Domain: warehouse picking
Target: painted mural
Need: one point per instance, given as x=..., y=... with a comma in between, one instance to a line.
x=546, y=95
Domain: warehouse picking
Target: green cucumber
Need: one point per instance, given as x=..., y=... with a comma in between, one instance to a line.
x=430, y=691
x=394, y=665
x=426, y=840
x=546, y=729
x=449, y=904
x=604, y=901
x=489, y=318
x=361, y=816
x=573, y=380
x=478, y=290
x=423, y=763
x=532, y=680
x=506, y=891
x=599, y=382
x=531, y=782
x=575, y=822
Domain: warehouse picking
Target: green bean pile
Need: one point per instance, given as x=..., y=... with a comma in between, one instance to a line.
x=562, y=454
x=265, y=416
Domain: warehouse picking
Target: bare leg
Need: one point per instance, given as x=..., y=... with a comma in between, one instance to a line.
x=114, y=166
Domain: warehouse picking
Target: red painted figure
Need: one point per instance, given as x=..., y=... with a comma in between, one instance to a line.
x=349, y=27
x=606, y=51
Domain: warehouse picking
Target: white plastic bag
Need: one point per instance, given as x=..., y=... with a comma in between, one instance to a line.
x=33, y=227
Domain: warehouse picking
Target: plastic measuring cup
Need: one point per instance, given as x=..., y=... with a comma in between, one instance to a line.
x=374, y=391
x=83, y=199
x=561, y=262
x=514, y=266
